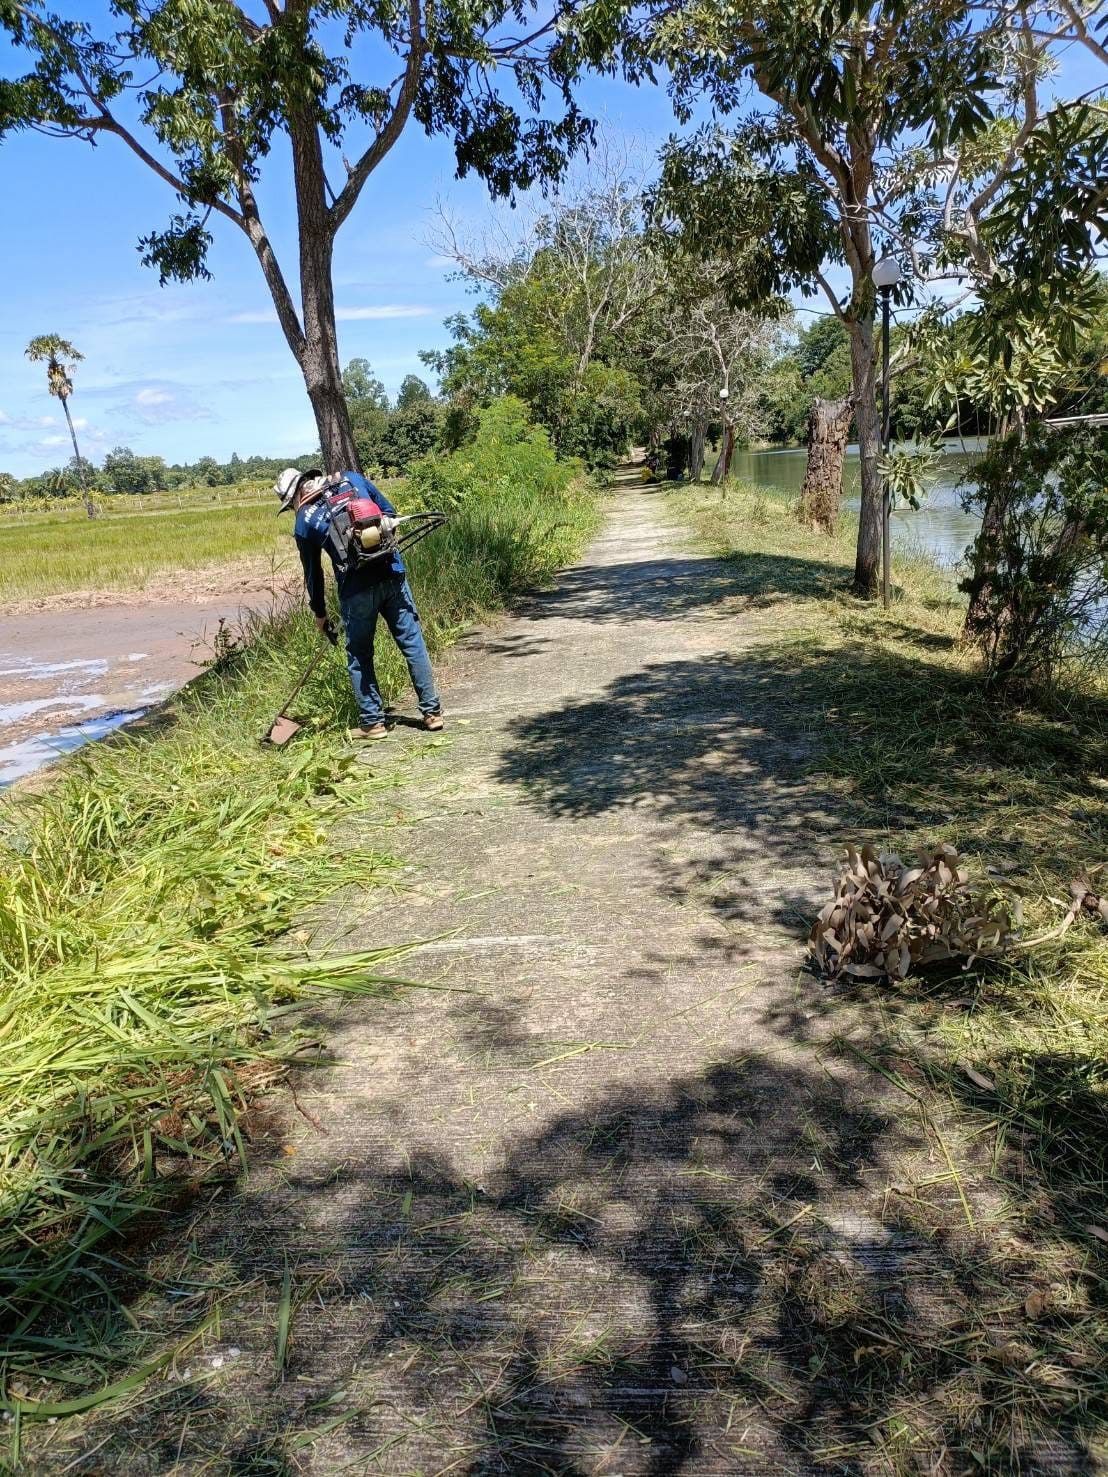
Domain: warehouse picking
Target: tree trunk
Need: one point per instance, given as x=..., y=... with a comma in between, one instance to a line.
x=828, y=432
x=985, y=548
x=319, y=357
x=722, y=468
x=90, y=506
x=863, y=362
x=985, y=551
x=696, y=454
x=728, y=450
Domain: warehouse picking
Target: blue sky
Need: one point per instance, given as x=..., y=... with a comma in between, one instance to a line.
x=184, y=371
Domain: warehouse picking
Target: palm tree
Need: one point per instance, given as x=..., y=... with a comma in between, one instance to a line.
x=59, y=380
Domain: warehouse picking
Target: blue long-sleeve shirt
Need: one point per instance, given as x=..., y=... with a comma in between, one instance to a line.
x=312, y=526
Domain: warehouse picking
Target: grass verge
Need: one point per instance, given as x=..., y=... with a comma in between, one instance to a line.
x=148, y=959
x=1011, y=1059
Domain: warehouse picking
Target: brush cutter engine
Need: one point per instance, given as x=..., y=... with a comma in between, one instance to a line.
x=361, y=532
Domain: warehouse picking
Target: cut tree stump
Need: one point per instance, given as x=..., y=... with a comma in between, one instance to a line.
x=821, y=494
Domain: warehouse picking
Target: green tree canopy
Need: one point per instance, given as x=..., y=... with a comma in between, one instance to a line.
x=880, y=128
x=412, y=392
x=201, y=92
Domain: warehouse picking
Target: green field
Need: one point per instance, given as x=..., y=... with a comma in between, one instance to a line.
x=136, y=541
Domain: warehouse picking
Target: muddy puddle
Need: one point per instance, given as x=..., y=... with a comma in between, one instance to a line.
x=70, y=677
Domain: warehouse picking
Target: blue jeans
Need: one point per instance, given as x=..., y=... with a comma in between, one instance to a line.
x=391, y=599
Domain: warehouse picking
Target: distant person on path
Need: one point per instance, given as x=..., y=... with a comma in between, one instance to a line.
x=377, y=588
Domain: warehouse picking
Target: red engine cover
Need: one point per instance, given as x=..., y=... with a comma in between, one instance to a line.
x=362, y=509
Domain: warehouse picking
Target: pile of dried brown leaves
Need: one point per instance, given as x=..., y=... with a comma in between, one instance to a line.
x=888, y=918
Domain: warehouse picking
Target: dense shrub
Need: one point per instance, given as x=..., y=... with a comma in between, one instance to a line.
x=507, y=457
x=1039, y=583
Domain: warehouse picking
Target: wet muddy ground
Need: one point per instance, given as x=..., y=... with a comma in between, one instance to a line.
x=69, y=676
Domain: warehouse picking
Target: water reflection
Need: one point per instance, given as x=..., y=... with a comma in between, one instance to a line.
x=28, y=754
x=941, y=526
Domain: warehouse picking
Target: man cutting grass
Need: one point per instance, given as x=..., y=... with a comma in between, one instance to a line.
x=377, y=587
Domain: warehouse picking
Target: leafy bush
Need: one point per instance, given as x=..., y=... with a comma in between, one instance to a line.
x=1039, y=586
x=507, y=456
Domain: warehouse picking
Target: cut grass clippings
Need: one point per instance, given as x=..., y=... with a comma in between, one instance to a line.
x=152, y=892
x=1012, y=1057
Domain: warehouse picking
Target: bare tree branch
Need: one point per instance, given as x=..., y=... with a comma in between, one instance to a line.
x=393, y=128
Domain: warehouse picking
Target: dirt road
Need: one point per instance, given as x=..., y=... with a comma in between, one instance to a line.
x=617, y=1193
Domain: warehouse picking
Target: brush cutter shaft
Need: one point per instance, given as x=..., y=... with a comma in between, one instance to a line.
x=332, y=636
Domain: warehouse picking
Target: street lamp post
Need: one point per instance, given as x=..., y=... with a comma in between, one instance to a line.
x=886, y=274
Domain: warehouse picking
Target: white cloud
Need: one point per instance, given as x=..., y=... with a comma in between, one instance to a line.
x=387, y=310
x=156, y=404
x=28, y=422
x=380, y=312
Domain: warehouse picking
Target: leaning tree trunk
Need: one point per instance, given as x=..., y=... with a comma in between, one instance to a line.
x=90, y=506
x=863, y=367
x=828, y=431
x=319, y=353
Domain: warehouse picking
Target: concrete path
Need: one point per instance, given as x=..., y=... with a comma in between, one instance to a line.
x=551, y=1216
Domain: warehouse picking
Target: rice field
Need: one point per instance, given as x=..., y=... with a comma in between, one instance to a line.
x=136, y=541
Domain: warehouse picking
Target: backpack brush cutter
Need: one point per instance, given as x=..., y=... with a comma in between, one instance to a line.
x=359, y=534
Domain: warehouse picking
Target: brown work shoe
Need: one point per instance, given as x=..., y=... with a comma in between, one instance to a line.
x=432, y=722
x=375, y=731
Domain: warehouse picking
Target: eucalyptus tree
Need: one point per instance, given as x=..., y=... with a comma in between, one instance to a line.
x=708, y=360
x=201, y=92
x=877, y=124
x=588, y=241
x=61, y=358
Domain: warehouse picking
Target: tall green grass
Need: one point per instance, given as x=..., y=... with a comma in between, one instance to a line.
x=149, y=899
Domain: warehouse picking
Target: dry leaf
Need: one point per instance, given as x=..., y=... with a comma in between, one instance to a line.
x=1036, y=1304
x=978, y=1080
x=1098, y=1231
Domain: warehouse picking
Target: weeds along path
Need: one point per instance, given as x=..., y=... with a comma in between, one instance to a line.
x=609, y=1199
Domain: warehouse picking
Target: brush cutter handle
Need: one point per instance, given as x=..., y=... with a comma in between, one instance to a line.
x=419, y=526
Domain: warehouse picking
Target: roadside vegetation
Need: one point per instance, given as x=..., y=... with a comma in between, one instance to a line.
x=1004, y=1062
x=156, y=902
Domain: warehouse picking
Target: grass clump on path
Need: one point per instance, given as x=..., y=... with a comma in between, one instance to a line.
x=152, y=892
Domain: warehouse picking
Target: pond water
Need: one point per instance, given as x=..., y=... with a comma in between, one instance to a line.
x=941, y=526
